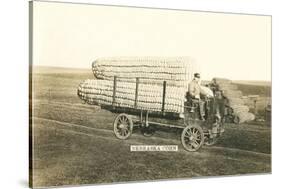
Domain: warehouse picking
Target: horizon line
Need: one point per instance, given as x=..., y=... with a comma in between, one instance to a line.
x=61, y=67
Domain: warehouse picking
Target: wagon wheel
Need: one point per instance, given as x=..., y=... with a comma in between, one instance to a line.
x=123, y=126
x=192, y=138
x=147, y=131
x=211, y=141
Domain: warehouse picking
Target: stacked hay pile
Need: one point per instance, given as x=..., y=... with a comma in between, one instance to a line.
x=151, y=71
x=235, y=101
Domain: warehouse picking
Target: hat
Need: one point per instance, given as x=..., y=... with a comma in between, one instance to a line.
x=197, y=75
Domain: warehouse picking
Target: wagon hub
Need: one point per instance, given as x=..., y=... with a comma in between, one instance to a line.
x=122, y=126
x=192, y=138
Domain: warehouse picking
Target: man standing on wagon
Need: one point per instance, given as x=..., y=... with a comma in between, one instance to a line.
x=194, y=92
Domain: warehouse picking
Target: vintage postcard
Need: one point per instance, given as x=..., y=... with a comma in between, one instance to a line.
x=121, y=94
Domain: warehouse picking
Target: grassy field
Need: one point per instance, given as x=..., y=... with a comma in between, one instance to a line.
x=74, y=142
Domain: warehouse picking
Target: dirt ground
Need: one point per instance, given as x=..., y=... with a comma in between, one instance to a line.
x=74, y=143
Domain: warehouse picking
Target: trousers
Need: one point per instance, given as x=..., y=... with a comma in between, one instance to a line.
x=201, y=108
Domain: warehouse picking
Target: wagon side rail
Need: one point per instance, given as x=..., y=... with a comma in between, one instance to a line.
x=115, y=83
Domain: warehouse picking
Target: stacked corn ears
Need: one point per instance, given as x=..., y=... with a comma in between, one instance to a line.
x=234, y=98
x=177, y=71
x=100, y=92
x=151, y=71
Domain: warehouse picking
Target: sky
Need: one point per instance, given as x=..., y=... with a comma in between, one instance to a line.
x=232, y=46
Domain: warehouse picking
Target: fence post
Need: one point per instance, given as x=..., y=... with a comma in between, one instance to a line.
x=136, y=92
x=164, y=96
x=114, y=91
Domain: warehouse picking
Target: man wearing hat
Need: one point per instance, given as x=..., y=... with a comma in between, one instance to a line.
x=194, y=92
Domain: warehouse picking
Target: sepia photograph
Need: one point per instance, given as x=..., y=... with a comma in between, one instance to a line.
x=130, y=94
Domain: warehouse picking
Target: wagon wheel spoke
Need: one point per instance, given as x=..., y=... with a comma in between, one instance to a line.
x=188, y=133
x=197, y=144
x=126, y=131
x=121, y=118
x=119, y=121
x=186, y=139
x=194, y=131
x=120, y=131
x=197, y=136
x=126, y=119
x=125, y=123
x=191, y=145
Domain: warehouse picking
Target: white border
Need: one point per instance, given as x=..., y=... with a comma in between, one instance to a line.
x=14, y=91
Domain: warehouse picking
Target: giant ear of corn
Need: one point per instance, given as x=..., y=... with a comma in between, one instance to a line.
x=177, y=71
x=150, y=96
